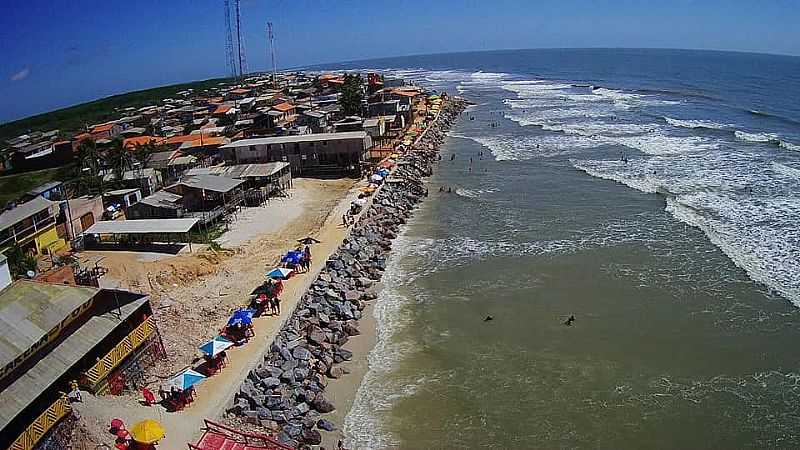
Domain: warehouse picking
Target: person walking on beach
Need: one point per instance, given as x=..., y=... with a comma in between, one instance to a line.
x=277, y=303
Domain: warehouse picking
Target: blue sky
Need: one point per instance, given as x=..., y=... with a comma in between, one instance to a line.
x=57, y=53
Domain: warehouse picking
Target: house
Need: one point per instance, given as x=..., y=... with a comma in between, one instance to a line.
x=125, y=198
x=349, y=123
x=31, y=226
x=105, y=131
x=266, y=177
x=333, y=153
x=82, y=213
x=55, y=333
x=132, y=142
x=208, y=197
x=375, y=127
x=42, y=155
x=147, y=179
x=53, y=191
x=159, y=205
x=317, y=120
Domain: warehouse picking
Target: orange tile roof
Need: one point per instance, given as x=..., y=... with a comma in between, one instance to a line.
x=328, y=76
x=240, y=91
x=102, y=128
x=208, y=140
x=139, y=140
x=82, y=136
x=283, y=107
x=182, y=138
x=222, y=109
x=405, y=93
x=336, y=81
x=216, y=100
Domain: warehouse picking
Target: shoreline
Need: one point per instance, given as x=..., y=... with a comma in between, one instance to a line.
x=306, y=364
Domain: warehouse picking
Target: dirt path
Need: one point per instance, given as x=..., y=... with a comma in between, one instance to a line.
x=194, y=294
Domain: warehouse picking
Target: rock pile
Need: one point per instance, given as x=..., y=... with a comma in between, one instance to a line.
x=287, y=390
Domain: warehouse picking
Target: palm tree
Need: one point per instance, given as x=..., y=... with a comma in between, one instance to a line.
x=119, y=159
x=88, y=165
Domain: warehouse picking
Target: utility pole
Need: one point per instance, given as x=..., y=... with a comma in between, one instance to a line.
x=240, y=43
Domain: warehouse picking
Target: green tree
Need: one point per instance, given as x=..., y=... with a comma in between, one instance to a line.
x=20, y=262
x=119, y=159
x=88, y=167
x=352, y=95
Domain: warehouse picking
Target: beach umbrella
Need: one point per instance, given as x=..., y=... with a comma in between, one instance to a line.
x=184, y=380
x=376, y=177
x=216, y=346
x=279, y=272
x=308, y=240
x=147, y=432
x=243, y=316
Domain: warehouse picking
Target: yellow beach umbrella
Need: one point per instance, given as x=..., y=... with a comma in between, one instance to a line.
x=148, y=431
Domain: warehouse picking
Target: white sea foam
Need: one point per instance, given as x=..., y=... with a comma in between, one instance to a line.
x=515, y=148
x=789, y=146
x=694, y=124
x=658, y=143
x=756, y=137
x=783, y=169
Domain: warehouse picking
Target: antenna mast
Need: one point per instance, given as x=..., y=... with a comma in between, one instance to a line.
x=229, y=59
x=272, y=54
x=240, y=42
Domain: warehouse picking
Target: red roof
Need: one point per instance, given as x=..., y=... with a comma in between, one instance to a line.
x=222, y=109
x=102, y=128
x=207, y=141
x=240, y=91
x=283, y=107
x=139, y=140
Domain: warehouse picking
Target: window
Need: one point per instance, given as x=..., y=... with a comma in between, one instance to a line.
x=269, y=147
x=324, y=143
x=253, y=148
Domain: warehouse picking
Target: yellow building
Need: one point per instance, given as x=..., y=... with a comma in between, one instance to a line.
x=31, y=226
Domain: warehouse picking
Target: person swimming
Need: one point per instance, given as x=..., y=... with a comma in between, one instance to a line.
x=488, y=318
x=570, y=320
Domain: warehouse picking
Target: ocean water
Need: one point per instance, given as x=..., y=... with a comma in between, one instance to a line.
x=653, y=194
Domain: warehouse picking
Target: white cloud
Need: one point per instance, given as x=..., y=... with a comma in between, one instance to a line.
x=21, y=75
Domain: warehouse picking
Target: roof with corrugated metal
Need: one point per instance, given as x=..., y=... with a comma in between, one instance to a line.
x=299, y=138
x=29, y=310
x=142, y=226
x=240, y=170
x=27, y=387
x=211, y=183
x=23, y=211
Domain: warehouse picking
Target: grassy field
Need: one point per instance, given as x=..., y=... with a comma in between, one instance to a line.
x=13, y=186
x=75, y=117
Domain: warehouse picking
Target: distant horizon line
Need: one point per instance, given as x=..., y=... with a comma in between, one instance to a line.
x=414, y=55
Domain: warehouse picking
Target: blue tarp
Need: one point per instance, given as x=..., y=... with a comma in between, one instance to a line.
x=293, y=257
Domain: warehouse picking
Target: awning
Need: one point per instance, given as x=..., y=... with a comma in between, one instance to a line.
x=142, y=226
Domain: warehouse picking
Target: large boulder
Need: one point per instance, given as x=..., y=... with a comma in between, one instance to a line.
x=312, y=437
x=316, y=335
x=301, y=353
x=270, y=383
x=322, y=404
x=326, y=425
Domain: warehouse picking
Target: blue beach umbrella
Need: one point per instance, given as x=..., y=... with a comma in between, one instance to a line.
x=293, y=257
x=279, y=273
x=184, y=380
x=242, y=316
x=215, y=346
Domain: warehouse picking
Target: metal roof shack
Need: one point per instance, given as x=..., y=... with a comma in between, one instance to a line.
x=142, y=226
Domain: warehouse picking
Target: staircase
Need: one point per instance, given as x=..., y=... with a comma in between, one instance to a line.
x=220, y=437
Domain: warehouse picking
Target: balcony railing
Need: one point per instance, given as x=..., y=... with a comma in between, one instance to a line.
x=36, y=430
x=112, y=359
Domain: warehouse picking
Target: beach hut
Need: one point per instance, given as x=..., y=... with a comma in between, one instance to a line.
x=280, y=273
x=216, y=346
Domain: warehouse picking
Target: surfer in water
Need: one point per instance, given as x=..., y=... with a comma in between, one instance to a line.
x=570, y=320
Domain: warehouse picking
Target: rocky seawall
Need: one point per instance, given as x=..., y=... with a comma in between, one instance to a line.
x=287, y=390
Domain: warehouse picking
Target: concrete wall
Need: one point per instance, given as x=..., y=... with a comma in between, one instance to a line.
x=5, y=273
